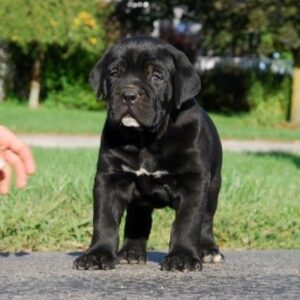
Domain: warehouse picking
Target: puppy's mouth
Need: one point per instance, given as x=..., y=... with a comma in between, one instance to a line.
x=129, y=121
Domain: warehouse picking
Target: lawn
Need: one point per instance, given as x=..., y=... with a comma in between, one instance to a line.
x=63, y=121
x=259, y=204
x=51, y=120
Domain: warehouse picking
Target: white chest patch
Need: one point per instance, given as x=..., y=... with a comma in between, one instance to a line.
x=129, y=121
x=142, y=171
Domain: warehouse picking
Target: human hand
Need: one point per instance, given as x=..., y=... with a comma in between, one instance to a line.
x=15, y=155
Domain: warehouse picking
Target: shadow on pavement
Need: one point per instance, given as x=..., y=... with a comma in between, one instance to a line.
x=75, y=253
x=155, y=256
x=6, y=254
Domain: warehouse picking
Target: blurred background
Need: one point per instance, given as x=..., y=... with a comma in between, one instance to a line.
x=248, y=56
x=246, y=51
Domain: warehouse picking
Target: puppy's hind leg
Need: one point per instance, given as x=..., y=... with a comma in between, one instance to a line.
x=208, y=247
x=137, y=229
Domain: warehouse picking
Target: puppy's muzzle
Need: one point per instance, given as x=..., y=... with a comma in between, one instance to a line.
x=129, y=96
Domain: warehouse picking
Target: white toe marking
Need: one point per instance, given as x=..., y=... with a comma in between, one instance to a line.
x=207, y=258
x=217, y=258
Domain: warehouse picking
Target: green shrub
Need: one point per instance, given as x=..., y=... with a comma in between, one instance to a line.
x=65, y=80
x=268, y=97
x=228, y=89
x=224, y=89
x=74, y=95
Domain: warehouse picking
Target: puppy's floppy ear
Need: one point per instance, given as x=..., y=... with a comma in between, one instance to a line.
x=97, y=77
x=187, y=82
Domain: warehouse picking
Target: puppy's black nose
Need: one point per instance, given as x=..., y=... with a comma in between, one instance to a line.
x=129, y=96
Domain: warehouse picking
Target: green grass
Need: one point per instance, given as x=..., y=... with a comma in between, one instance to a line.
x=245, y=126
x=259, y=204
x=63, y=121
x=51, y=120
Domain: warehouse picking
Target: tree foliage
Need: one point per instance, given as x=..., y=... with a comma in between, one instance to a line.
x=264, y=26
x=48, y=22
x=37, y=25
x=246, y=27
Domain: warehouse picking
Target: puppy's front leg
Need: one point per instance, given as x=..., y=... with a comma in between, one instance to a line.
x=108, y=210
x=185, y=237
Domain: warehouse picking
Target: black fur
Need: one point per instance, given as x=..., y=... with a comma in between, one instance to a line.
x=176, y=149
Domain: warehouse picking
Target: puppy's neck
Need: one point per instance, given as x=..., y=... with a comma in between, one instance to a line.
x=120, y=136
x=189, y=103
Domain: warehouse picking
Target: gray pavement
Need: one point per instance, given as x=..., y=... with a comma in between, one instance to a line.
x=244, y=275
x=61, y=141
x=82, y=141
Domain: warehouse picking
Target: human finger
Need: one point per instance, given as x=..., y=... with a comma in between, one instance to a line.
x=16, y=163
x=5, y=176
x=26, y=156
x=8, y=140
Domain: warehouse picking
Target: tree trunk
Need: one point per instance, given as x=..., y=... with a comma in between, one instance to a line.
x=35, y=83
x=4, y=69
x=295, y=105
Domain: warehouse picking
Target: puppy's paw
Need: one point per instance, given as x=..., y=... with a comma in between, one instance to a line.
x=212, y=256
x=181, y=262
x=132, y=256
x=133, y=251
x=95, y=260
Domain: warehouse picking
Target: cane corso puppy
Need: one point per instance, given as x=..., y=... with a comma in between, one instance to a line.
x=158, y=148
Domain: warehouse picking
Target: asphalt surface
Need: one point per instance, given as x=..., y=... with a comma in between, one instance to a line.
x=82, y=141
x=244, y=275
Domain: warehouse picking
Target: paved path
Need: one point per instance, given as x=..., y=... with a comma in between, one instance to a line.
x=71, y=141
x=244, y=275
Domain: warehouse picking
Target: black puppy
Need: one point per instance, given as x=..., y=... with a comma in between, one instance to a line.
x=158, y=148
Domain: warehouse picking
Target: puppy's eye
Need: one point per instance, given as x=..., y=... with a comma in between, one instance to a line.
x=156, y=76
x=114, y=73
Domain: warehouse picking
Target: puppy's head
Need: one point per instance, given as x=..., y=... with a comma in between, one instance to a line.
x=143, y=79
